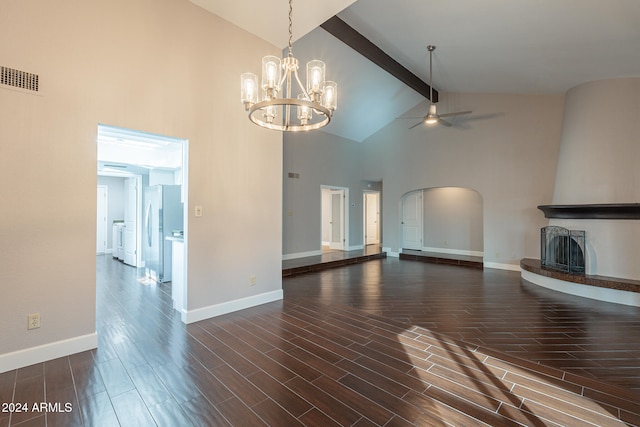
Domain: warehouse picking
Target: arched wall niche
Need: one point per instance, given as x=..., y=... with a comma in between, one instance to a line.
x=450, y=220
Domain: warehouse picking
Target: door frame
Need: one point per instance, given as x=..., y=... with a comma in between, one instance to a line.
x=102, y=224
x=365, y=213
x=184, y=176
x=345, y=213
x=340, y=244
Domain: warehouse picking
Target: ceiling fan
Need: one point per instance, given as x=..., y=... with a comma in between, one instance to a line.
x=433, y=118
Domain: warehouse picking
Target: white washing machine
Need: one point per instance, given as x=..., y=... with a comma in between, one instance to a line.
x=118, y=240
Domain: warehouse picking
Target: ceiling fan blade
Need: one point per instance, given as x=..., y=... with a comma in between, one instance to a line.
x=459, y=113
x=417, y=124
x=444, y=122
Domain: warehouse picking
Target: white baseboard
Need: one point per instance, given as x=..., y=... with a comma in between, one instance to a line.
x=454, y=251
x=587, y=291
x=499, y=266
x=390, y=253
x=356, y=248
x=203, y=313
x=42, y=353
x=301, y=255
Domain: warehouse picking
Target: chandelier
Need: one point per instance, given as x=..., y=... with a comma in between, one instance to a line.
x=298, y=108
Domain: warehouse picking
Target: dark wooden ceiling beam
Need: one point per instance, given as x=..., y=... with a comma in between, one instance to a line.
x=349, y=36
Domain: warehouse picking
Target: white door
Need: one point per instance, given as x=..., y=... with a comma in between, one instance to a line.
x=371, y=218
x=412, y=221
x=101, y=220
x=337, y=219
x=130, y=221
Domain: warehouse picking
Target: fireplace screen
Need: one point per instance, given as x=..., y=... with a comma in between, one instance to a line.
x=562, y=249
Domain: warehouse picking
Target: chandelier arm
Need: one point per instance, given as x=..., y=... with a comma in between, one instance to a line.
x=282, y=79
x=287, y=107
x=304, y=91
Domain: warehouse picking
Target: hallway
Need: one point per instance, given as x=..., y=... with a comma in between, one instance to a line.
x=369, y=344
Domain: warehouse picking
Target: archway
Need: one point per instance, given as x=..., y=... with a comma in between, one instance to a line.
x=446, y=220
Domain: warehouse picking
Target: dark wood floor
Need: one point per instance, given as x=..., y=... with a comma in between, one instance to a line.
x=330, y=258
x=387, y=342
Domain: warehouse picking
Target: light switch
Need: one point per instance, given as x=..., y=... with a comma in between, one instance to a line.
x=198, y=210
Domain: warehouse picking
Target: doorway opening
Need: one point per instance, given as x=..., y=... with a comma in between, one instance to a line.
x=335, y=218
x=134, y=166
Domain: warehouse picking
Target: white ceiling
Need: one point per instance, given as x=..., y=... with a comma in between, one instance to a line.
x=124, y=151
x=269, y=20
x=488, y=46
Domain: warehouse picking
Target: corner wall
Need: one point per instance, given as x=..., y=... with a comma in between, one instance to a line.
x=320, y=159
x=598, y=163
x=166, y=67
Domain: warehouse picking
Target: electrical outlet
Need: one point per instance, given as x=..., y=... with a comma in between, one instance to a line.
x=33, y=321
x=252, y=279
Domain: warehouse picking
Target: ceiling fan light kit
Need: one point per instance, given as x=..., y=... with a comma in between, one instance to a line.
x=307, y=108
x=433, y=118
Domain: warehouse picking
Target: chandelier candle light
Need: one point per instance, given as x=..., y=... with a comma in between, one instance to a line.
x=310, y=108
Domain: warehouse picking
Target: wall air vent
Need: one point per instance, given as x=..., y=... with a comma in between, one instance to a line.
x=19, y=79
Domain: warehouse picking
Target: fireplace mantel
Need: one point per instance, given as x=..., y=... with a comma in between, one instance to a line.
x=593, y=211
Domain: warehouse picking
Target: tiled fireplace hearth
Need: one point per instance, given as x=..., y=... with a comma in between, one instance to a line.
x=604, y=288
x=612, y=283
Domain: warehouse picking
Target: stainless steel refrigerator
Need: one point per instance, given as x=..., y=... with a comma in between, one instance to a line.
x=163, y=214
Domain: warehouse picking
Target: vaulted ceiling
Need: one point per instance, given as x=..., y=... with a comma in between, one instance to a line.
x=489, y=46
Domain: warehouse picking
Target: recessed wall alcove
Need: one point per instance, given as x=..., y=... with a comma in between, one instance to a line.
x=443, y=225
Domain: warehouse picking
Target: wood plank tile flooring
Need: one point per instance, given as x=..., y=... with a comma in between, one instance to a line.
x=387, y=342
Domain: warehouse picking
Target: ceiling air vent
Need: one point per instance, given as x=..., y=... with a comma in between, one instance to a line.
x=18, y=79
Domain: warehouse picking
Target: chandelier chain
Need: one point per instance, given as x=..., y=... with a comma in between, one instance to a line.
x=290, y=27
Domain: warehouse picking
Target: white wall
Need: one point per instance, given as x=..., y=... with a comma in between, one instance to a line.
x=164, y=177
x=507, y=152
x=320, y=159
x=165, y=67
x=509, y=157
x=452, y=219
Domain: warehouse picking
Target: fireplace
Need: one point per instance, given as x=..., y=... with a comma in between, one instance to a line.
x=562, y=249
